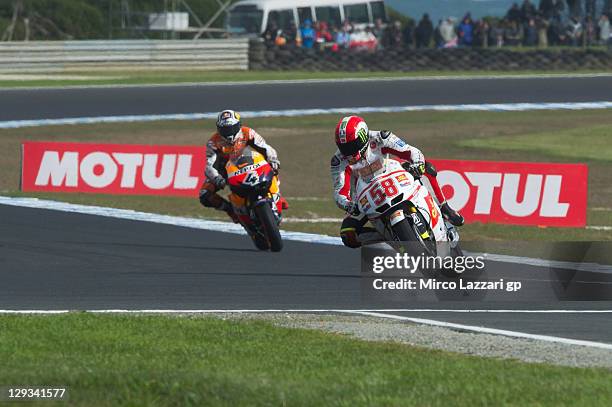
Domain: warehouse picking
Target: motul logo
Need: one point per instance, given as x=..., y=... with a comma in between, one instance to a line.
x=114, y=169
x=541, y=193
x=517, y=193
x=99, y=170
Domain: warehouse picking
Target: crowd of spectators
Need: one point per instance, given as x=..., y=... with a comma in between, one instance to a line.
x=551, y=23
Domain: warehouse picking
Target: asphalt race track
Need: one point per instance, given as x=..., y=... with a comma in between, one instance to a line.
x=94, y=102
x=51, y=260
x=55, y=260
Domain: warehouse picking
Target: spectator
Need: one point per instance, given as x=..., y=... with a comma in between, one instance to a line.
x=392, y=37
x=308, y=35
x=573, y=31
x=605, y=34
x=481, y=34
x=497, y=33
x=556, y=33
x=408, y=34
x=542, y=25
x=513, y=34
x=424, y=32
x=531, y=33
x=343, y=38
x=323, y=36
x=466, y=31
x=271, y=33
x=438, y=40
x=590, y=32
x=379, y=30
x=528, y=11
x=292, y=35
x=514, y=14
x=448, y=34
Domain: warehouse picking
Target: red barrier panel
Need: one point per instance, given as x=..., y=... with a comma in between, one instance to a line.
x=484, y=191
x=112, y=168
x=516, y=193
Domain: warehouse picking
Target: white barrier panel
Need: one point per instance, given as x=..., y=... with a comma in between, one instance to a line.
x=226, y=54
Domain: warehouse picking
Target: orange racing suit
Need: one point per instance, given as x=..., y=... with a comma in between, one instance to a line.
x=217, y=154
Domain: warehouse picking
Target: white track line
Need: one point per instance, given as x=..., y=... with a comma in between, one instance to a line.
x=499, y=107
x=492, y=331
x=193, y=223
x=273, y=82
x=604, y=228
x=302, y=310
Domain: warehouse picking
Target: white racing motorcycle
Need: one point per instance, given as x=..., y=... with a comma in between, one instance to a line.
x=402, y=209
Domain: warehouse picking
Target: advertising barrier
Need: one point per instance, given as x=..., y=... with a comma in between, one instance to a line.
x=112, y=168
x=539, y=194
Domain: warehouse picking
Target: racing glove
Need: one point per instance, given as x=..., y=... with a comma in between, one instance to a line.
x=275, y=164
x=219, y=182
x=416, y=169
x=352, y=208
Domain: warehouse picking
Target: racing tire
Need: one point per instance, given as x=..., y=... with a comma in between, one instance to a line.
x=260, y=242
x=268, y=223
x=405, y=232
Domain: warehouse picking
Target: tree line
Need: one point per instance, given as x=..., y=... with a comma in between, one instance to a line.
x=93, y=19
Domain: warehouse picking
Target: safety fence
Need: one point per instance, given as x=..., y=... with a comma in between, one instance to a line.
x=230, y=54
x=242, y=54
x=404, y=59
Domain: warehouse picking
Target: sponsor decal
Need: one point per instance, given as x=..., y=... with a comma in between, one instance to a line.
x=112, y=169
x=542, y=194
x=362, y=134
x=400, y=143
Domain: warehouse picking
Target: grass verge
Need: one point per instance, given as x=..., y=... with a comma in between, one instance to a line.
x=117, y=360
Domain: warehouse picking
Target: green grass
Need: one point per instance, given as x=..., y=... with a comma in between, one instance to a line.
x=182, y=361
x=141, y=77
x=583, y=143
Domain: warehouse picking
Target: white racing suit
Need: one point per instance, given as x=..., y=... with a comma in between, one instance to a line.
x=344, y=176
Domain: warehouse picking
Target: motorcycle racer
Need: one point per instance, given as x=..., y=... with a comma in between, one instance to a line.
x=360, y=152
x=230, y=135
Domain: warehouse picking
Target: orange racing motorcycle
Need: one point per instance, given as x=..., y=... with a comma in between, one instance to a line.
x=255, y=196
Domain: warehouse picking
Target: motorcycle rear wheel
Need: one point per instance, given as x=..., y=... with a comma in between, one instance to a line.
x=268, y=223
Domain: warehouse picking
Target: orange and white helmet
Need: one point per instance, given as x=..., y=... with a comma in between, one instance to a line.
x=228, y=125
x=352, y=137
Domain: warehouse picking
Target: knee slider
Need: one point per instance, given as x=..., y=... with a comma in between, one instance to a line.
x=350, y=238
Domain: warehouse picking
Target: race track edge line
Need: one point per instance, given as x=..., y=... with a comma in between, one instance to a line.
x=492, y=331
x=488, y=107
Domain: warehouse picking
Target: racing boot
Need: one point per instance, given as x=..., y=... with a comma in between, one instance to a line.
x=451, y=215
x=284, y=203
x=229, y=209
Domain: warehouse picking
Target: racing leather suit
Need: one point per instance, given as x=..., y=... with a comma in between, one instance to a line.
x=217, y=154
x=344, y=175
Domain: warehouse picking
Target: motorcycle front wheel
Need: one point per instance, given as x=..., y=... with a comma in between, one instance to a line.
x=270, y=228
x=404, y=232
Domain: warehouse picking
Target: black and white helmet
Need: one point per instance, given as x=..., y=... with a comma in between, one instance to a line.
x=228, y=125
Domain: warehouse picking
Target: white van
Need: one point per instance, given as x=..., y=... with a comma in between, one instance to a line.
x=251, y=17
